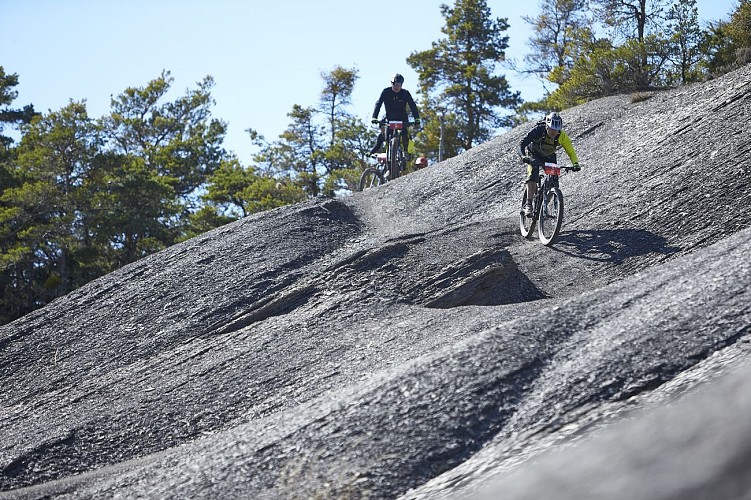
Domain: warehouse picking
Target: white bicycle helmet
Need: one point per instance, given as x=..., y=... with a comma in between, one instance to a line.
x=554, y=121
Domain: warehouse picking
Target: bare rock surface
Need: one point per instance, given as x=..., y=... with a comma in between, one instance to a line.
x=406, y=342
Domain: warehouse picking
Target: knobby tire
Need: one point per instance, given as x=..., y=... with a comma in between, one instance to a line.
x=551, y=216
x=526, y=224
x=371, y=177
x=394, y=157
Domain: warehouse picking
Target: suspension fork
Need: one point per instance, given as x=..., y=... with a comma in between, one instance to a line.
x=542, y=187
x=393, y=157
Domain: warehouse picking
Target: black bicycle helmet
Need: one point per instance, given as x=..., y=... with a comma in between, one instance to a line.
x=397, y=78
x=554, y=121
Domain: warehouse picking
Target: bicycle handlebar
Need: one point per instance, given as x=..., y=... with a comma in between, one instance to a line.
x=384, y=122
x=563, y=167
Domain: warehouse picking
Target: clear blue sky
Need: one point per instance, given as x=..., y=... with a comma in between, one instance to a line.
x=265, y=55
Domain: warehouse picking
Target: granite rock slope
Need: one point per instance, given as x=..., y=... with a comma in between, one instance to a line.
x=406, y=341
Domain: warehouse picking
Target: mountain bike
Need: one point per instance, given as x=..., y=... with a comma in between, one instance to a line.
x=395, y=159
x=547, y=206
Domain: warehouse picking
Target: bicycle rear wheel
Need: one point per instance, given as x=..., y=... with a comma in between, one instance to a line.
x=526, y=224
x=551, y=216
x=371, y=177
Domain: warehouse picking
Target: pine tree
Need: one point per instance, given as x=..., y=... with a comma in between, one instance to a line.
x=457, y=75
x=686, y=38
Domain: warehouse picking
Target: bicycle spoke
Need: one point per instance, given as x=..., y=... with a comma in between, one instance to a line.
x=551, y=216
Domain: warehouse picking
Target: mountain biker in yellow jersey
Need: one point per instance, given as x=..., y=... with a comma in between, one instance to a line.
x=539, y=146
x=395, y=99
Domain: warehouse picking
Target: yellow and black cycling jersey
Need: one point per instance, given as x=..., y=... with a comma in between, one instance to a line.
x=539, y=144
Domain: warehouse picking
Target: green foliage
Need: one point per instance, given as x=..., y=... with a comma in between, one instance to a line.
x=728, y=43
x=650, y=45
x=720, y=48
x=592, y=76
x=267, y=193
x=448, y=126
x=298, y=154
x=342, y=180
x=336, y=95
x=322, y=149
x=238, y=191
x=131, y=208
x=9, y=116
x=348, y=149
x=739, y=27
x=631, y=19
x=555, y=34
x=7, y=82
x=42, y=228
x=633, y=56
x=226, y=185
x=605, y=70
x=685, y=41
x=457, y=73
x=82, y=197
x=204, y=219
x=177, y=139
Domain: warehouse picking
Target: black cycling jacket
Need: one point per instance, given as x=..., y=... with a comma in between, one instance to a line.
x=396, y=105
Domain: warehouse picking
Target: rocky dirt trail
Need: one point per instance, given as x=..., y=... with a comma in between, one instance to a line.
x=406, y=340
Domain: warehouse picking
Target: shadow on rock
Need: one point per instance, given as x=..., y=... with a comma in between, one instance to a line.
x=487, y=278
x=612, y=245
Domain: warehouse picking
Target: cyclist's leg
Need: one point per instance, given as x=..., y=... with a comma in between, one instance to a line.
x=553, y=159
x=388, y=133
x=533, y=178
x=378, y=145
x=405, y=143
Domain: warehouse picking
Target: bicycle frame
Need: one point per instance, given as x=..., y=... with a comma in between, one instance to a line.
x=547, y=206
x=393, y=133
x=548, y=179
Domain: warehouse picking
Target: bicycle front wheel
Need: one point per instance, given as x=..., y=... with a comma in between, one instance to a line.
x=371, y=177
x=401, y=160
x=394, y=154
x=526, y=223
x=551, y=216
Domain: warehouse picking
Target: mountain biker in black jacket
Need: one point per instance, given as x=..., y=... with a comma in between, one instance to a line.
x=539, y=146
x=395, y=99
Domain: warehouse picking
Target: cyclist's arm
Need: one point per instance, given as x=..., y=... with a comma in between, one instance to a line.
x=565, y=141
x=531, y=136
x=378, y=104
x=412, y=106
